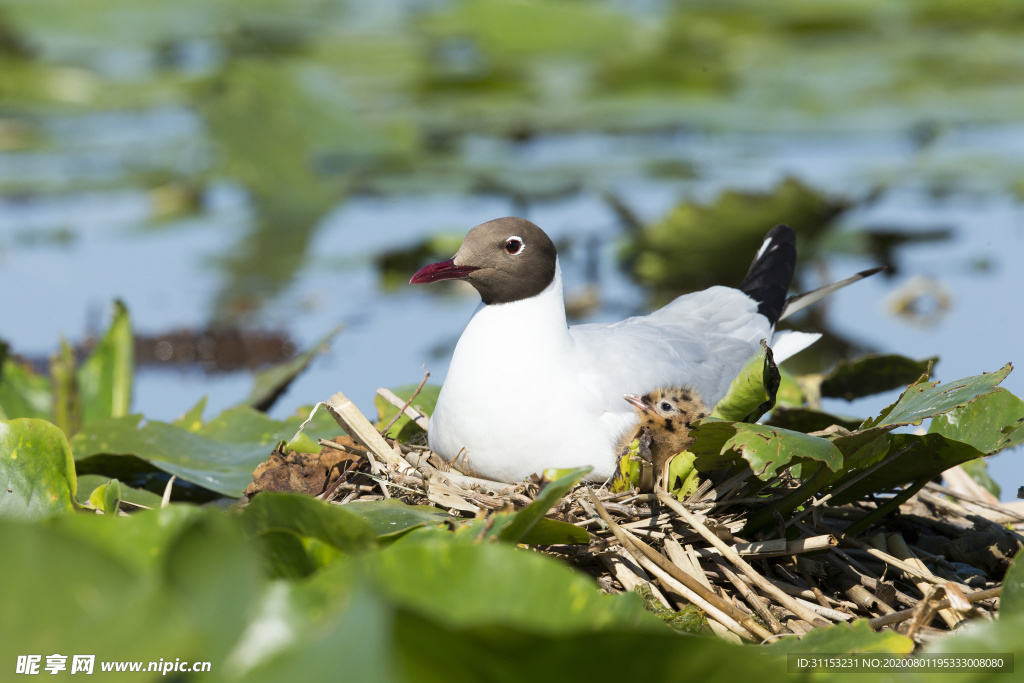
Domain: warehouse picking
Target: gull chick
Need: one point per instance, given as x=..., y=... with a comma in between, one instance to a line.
x=669, y=413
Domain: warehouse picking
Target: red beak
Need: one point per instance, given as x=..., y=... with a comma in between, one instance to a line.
x=445, y=270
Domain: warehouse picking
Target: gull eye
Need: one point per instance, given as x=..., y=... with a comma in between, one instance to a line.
x=514, y=245
x=665, y=406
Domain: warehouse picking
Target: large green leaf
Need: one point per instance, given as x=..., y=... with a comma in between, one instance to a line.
x=925, y=399
x=225, y=468
x=105, y=378
x=872, y=374
x=66, y=596
x=766, y=449
x=308, y=517
x=392, y=518
x=930, y=455
x=990, y=423
x=752, y=393
x=140, y=541
x=462, y=583
x=37, y=471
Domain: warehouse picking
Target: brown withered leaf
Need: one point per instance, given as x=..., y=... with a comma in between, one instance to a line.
x=309, y=473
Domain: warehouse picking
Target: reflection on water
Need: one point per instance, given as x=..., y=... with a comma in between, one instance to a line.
x=220, y=164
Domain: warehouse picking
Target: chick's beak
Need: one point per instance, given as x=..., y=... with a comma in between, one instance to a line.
x=636, y=401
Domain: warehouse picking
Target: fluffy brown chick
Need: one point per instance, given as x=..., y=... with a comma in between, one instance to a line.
x=669, y=413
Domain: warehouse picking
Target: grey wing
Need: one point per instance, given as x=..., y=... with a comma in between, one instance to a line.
x=700, y=340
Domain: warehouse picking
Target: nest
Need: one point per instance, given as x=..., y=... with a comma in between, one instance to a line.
x=926, y=569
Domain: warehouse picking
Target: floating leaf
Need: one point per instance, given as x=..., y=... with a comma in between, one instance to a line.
x=305, y=516
x=925, y=399
x=392, y=518
x=225, y=468
x=462, y=583
x=872, y=374
x=698, y=243
x=37, y=471
x=990, y=423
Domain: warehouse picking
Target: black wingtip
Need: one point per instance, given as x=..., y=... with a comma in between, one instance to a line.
x=770, y=275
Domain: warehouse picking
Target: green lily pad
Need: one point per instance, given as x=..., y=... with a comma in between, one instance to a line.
x=225, y=468
x=925, y=399
x=698, y=243
x=766, y=449
x=37, y=470
x=305, y=516
x=873, y=374
x=990, y=423
x=392, y=518
x=462, y=583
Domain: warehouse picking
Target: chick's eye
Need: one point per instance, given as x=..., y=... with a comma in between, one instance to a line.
x=666, y=406
x=514, y=245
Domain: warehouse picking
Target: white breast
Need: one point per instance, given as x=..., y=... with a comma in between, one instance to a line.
x=525, y=392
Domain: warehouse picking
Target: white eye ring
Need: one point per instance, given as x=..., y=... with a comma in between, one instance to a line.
x=514, y=245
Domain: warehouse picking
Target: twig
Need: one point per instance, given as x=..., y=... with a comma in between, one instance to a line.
x=748, y=595
x=166, y=500
x=898, y=547
x=897, y=617
x=416, y=416
x=758, y=580
x=707, y=600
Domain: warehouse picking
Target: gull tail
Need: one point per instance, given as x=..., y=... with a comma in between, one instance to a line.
x=800, y=301
x=767, y=282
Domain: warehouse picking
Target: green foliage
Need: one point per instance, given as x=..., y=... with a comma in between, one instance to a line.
x=37, y=468
x=872, y=374
x=752, y=393
x=105, y=378
x=404, y=428
x=695, y=245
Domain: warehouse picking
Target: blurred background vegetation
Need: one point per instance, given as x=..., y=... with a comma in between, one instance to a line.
x=273, y=167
